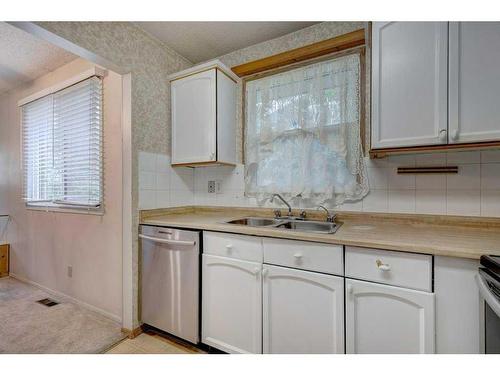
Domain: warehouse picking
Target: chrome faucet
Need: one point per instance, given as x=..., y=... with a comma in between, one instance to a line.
x=329, y=217
x=285, y=202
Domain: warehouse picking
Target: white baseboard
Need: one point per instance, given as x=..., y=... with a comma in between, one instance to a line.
x=61, y=295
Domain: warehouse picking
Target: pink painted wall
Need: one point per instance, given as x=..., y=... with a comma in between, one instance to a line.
x=44, y=244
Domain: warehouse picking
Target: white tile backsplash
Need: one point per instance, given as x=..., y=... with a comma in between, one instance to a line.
x=375, y=201
x=463, y=157
x=430, y=182
x=162, y=198
x=232, y=178
x=378, y=177
x=463, y=202
x=400, y=181
x=401, y=201
x=147, y=199
x=202, y=176
x=147, y=180
x=430, y=159
x=158, y=181
x=467, y=178
x=474, y=191
x=430, y=202
x=163, y=163
x=401, y=161
x=182, y=178
x=351, y=206
x=490, y=203
x=490, y=176
x=162, y=181
x=181, y=198
x=490, y=156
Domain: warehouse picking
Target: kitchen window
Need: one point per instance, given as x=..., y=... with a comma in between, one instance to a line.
x=62, y=147
x=303, y=134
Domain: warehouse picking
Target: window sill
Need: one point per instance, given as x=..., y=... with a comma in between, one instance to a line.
x=67, y=210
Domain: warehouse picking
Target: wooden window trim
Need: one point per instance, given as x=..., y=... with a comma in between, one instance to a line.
x=324, y=47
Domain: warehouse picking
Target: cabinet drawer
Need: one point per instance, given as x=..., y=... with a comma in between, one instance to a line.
x=304, y=255
x=233, y=246
x=389, y=267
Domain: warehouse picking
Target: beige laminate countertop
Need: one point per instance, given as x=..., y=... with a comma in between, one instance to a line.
x=463, y=237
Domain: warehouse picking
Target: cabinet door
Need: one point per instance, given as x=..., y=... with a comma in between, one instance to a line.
x=194, y=118
x=232, y=304
x=386, y=319
x=226, y=119
x=474, y=80
x=457, y=305
x=303, y=311
x=409, y=84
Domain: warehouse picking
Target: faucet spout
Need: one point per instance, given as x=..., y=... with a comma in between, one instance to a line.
x=329, y=217
x=284, y=201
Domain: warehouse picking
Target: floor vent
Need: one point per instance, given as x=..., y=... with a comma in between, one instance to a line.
x=48, y=302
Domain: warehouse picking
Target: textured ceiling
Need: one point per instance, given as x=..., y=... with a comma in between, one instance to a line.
x=201, y=41
x=24, y=57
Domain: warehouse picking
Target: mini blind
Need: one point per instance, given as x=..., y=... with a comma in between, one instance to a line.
x=62, y=147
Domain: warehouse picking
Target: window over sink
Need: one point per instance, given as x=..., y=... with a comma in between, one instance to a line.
x=303, y=133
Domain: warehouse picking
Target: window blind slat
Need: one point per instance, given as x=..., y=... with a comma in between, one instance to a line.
x=62, y=146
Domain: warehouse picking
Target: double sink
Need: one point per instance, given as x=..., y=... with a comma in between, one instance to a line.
x=288, y=223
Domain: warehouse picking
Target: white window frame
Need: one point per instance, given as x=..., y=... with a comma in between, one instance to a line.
x=58, y=207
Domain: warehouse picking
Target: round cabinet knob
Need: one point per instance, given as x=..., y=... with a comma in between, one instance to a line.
x=454, y=135
x=297, y=256
x=382, y=266
x=264, y=271
x=443, y=134
x=229, y=247
x=349, y=290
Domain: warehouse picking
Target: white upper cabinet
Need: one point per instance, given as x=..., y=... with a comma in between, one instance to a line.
x=303, y=312
x=409, y=84
x=474, y=108
x=204, y=115
x=382, y=319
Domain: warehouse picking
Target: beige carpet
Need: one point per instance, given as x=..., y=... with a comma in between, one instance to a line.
x=29, y=327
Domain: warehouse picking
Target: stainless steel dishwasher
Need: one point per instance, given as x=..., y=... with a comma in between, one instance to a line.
x=170, y=280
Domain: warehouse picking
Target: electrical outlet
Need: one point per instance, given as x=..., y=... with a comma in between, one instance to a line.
x=70, y=271
x=211, y=187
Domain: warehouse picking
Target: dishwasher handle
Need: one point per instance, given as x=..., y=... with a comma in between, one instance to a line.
x=487, y=295
x=166, y=241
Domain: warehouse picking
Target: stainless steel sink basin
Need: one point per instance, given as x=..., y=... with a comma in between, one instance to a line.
x=288, y=224
x=310, y=226
x=255, y=221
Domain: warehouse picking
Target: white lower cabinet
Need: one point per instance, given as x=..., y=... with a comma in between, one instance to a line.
x=232, y=304
x=459, y=311
x=388, y=319
x=251, y=307
x=303, y=312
